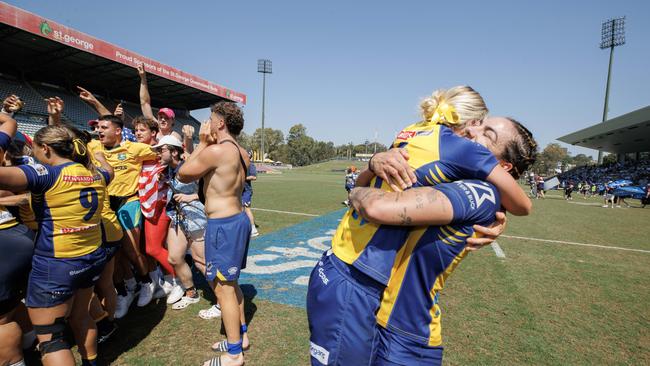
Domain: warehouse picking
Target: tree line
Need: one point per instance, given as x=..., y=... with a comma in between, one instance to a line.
x=555, y=156
x=299, y=149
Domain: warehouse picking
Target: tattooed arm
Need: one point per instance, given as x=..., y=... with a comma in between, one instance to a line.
x=414, y=207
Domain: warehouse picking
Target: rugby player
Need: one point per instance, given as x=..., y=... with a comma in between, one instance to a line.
x=224, y=164
x=66, y=192
x=364, y=253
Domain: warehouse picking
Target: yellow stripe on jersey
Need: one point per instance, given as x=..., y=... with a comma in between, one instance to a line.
x=397, y=276
x=450, y=235
x=435, y=327
x=7, y=220
x=442, y=175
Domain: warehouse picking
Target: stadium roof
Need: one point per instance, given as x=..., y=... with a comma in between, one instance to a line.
x=40, y=49
x=628, y=133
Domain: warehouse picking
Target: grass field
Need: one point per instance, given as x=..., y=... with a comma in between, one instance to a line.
x=543, y=304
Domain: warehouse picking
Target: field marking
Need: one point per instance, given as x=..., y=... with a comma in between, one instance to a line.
x=285, y=212
x=586, y=203
x=497, y=250
x=574, y=243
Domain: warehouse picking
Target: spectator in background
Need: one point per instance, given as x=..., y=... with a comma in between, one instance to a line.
x=350, y=181
x=88, y=97
x=166, y=116
x=540, y=187
x=247, y=195
x=568, y=190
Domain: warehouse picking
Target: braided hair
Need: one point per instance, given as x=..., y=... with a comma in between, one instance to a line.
x=521, y=151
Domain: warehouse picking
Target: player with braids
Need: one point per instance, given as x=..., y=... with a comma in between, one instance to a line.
x=67, y=193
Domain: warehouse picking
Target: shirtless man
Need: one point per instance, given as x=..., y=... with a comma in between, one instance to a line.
x=223, y=165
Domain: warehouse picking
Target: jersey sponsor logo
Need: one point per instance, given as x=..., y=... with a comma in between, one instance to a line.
x=78, y=179
x=481, y=192
x=323, y=277
x=405, y=135
x=120, y=167
x=40, y=169
x=68, y=230
x=233, y=271
x=121, y=156
x=319, y=353
x=424, y=133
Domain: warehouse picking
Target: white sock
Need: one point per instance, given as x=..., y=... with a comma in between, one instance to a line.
x=19, y=363
x=130, y=284
x=28, y=339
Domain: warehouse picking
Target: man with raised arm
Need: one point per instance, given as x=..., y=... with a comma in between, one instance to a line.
x=223, y=165
x=166, y=116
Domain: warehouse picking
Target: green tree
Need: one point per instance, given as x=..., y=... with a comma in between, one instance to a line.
x=581, y=160
x=299, y=146
x=549, y=158
x=273, y=139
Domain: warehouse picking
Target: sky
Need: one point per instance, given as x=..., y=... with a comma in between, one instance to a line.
x=350, y=70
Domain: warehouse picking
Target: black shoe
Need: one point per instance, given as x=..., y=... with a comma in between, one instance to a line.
x=105, y=329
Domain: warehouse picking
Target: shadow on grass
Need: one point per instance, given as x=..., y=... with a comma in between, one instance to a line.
x=133, y=328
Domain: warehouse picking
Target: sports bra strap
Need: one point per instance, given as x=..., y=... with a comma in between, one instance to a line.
x=241, y=159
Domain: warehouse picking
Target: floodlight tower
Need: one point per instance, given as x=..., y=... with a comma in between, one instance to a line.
x=612, y=35
x=264, y=67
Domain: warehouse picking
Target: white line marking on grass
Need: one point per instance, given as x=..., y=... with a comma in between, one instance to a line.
x=284, y=212
x=497, y=250
x=586, y=203
x=573, y=243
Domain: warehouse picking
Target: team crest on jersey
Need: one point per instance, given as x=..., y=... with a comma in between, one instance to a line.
x=405, y=135
x=121, y=156
x=40, y=169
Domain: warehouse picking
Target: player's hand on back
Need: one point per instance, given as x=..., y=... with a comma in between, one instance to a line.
x=489, y=234
x=393, y=168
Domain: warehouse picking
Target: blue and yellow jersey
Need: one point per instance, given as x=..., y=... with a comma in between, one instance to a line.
x=437, y=155
x=67, y=200
x=126, y=160
x=7, y=220
x=410, y=302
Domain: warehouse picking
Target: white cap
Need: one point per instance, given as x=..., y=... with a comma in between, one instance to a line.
x=168, y=140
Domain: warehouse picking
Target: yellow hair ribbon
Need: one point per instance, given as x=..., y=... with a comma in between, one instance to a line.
x=445, y=114
x=79, y=147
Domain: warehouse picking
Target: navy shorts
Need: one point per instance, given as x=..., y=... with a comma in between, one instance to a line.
x=246, y=198
x=341, y=307
x=54, y=280
x=16, y=248
x=226, y=246
x=111, y=249
x=390, y=348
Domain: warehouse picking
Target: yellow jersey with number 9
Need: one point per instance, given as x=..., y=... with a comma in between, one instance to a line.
x=67, y=200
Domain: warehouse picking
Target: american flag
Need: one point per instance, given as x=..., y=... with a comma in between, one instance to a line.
x=150, y=188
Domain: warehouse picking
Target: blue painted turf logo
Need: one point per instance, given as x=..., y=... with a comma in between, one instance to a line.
x=278, y=264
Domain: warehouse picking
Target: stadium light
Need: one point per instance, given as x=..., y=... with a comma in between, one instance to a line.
x=612, y=34
x=264, y=67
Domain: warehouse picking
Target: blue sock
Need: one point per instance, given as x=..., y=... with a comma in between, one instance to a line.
x=235, y=348
x=85, y=362
x=243, y=329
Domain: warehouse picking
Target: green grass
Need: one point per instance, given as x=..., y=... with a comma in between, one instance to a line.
x=544, y=304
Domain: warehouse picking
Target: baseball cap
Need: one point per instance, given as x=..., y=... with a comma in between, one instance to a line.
x=167, y=112
x=93, y=122
x=168, y=140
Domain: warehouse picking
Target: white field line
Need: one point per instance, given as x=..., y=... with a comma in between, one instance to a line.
x=574, y=243
x=586, y=203
x=497, y=250
x=284, y=212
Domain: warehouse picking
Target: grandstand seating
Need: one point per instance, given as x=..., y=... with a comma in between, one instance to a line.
x=75, y=109
x=33, y=101
x=76, y=112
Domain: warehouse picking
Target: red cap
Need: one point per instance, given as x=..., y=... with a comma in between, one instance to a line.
x=167, y=112
x=93, y=122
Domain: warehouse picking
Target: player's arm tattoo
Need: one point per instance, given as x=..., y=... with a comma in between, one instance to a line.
x=404, y=217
